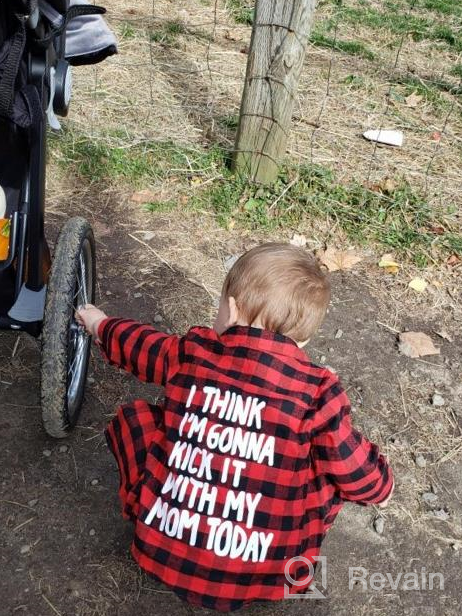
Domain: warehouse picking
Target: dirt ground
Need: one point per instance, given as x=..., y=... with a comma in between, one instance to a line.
x=64, y=544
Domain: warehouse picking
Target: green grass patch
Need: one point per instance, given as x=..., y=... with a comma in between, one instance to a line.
x=112, y=159
x=445, y=7
x=401, y=221
x=456, y=70
x=396, y=20
x=356, y=82
x=354, y=48
x=168, y=33
x=127, y=31
x=242, y=12
x=159, y=206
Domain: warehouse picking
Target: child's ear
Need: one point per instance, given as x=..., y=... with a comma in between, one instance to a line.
x=233, y=312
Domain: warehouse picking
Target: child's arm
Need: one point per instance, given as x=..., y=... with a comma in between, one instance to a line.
x=343, y=454
x=135, y=347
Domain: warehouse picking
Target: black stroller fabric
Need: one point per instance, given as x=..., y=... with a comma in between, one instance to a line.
x=88, y=40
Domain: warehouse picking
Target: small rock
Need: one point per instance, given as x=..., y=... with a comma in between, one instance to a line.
x=25, y=549
x=94, y=482
x=438, y=426
x=438, y=400
x=438, y=551
x=338, y=334
x=92, y=532
x=323, y=359
x=456, y=546
x=33, y=502
x=379, y=525
x=108, y=293
x=46, y=453
x=429, y=498
x=441, y=514
x=148, y=236
x=63, y=449
x=137, y=295
x=331, y=349
x=158, y=318
x=420, y=461
x=90, y=380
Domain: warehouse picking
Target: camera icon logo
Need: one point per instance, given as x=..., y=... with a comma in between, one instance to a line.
x=313, y=592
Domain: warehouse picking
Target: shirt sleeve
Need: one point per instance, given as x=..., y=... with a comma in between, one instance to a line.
x=148, y=354
x=351, y=462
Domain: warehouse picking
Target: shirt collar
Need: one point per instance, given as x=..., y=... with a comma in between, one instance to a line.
x=263, y=340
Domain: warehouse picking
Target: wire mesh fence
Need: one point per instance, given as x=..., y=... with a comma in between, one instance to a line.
x=370, y=65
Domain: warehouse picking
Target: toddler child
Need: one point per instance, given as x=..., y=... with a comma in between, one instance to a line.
x=248, y=460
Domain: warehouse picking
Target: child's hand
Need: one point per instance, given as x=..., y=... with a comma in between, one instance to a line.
x=90, y=317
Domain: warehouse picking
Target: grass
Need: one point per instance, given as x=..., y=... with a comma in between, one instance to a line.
x=127, y=31
x=113, y=160
x=241, y=11
x=401, y=221
x=456, y=71
x=168, y=33
x=354, y=48
x=401, y=23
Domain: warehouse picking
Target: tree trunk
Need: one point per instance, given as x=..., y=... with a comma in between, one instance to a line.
x=277, y=51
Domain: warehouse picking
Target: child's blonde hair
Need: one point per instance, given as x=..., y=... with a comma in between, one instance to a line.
x=282, y=286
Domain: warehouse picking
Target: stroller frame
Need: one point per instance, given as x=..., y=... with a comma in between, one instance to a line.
x=71, y=279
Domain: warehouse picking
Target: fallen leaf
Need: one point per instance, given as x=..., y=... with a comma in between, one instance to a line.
x=413, y=100
x=336, y=260
x=436, y=136
x=453, y=260
x=387, y=185
x=144, y=196
x=298, y=240
x=418, y=284
x=195, y=181
x=437, y=230
x=416, y=344
x=389, y=264
x=184, y=199
x=444, y=334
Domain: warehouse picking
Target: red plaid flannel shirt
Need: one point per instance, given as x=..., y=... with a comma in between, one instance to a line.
x=221, y=498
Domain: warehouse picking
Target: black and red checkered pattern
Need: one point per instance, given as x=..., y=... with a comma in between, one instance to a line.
x=318, y=460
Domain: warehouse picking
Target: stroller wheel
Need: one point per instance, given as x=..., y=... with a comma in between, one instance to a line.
x=65, y=345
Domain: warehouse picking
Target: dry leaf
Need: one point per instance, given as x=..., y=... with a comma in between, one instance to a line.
x=444, y=334
x=144, y=196
x=298, y=240
x=453, y=260
x=437, y=230
x=416, y=344
x=413, y=100
x=418, y=284
x=387, y=185
x=389, y=264
x=336, y=260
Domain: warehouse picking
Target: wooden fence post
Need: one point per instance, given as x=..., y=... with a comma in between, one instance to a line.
x=277, y=50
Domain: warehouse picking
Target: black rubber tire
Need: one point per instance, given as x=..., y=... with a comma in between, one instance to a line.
x=59, y=315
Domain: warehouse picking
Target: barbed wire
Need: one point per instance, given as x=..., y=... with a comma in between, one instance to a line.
x=213, y=103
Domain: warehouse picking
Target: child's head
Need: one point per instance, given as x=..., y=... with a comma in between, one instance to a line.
x=277, y=287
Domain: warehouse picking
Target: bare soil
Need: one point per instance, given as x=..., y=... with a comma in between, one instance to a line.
x=65, y=548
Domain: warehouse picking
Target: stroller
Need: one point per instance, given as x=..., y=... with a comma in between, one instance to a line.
x=39, y=40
